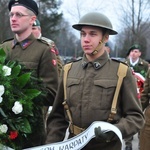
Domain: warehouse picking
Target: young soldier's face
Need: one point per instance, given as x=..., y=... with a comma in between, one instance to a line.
x=90, y=39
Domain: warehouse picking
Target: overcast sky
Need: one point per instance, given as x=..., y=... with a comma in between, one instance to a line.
x=70, y=10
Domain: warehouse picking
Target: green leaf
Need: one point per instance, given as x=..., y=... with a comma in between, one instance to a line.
x=32, y=93
x=10, y=123
x=16, y=70
x=23, y=79
x=3, y=113
x=23, y=125
x=3, y=55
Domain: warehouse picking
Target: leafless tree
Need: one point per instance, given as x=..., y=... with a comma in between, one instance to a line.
x=5, y=31
x=134, y=15
x=75, y=9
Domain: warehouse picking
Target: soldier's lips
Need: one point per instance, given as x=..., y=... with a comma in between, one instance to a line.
x=14, y=25
x=87, y=47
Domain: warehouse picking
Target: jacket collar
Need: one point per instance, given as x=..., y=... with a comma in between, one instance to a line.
x=140, y=62
x=25, y=43
x=98, y=63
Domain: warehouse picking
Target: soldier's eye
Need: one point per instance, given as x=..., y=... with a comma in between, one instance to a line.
x=17, y=15
x=82, y=34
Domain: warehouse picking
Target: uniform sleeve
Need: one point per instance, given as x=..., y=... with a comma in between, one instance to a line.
x=49, y=74
x=56, y=123
x=131, y=110
x=146, y=92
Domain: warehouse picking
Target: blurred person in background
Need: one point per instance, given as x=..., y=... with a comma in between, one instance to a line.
x=138, y=65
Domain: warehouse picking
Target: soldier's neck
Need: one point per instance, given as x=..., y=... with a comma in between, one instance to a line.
x=22, y=36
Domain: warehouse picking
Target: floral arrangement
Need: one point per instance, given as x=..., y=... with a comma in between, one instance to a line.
x=19, y=96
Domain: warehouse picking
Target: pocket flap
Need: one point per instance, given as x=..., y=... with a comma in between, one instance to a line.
x=105, y=83
x=71, y=82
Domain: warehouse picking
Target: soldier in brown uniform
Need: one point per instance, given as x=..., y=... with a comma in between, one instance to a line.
x=90, y=88
x=138, y=65
x=34, y=54
x=145, y=132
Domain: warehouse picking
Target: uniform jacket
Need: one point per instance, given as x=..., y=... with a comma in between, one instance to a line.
x=90, y=90
x=37, y=56
x=55, y=50
x=141, y=67
x=145, y=96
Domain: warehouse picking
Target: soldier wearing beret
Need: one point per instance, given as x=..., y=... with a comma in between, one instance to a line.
x=86, y=94
x=34, y=54
x=138, y=65
x=135, y=61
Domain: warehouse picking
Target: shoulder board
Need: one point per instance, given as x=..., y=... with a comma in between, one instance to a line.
x=79, y=58
x=49, y=41
x=43, y=41
x=119, y=61
x=74, y=60
x=70, y=62
x=7, y=40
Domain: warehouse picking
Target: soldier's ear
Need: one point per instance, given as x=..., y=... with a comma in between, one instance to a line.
x=33, y=18
x=106, y=37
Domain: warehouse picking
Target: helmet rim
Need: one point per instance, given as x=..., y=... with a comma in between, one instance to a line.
x=95, y=19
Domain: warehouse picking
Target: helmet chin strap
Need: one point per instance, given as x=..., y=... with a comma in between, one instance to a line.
x=97, y=48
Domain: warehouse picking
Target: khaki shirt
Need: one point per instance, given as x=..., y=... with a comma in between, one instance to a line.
x=90, y=90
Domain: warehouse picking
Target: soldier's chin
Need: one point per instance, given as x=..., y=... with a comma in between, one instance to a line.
x=15, y=31
x=87, y=52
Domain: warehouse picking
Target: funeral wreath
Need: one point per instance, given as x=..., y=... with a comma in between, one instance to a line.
x=19, y=102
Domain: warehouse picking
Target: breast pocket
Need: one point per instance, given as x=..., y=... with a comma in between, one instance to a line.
x=73, y=91
x=103, y=93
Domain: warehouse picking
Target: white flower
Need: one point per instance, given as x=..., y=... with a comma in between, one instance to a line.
x=1, y=92
x=17, y=108
x=7, y=70
x=3, y=128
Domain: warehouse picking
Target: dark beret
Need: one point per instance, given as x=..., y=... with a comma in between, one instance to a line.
x=30, y=4
x=135, y=46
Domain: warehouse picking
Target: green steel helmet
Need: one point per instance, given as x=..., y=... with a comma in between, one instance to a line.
x=95, y=19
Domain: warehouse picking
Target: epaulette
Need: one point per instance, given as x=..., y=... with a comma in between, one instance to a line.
x=43, y=41
x=79, y=58
x=120, y=61
x=74, y=60
x=10, y=39
x=49, y=41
